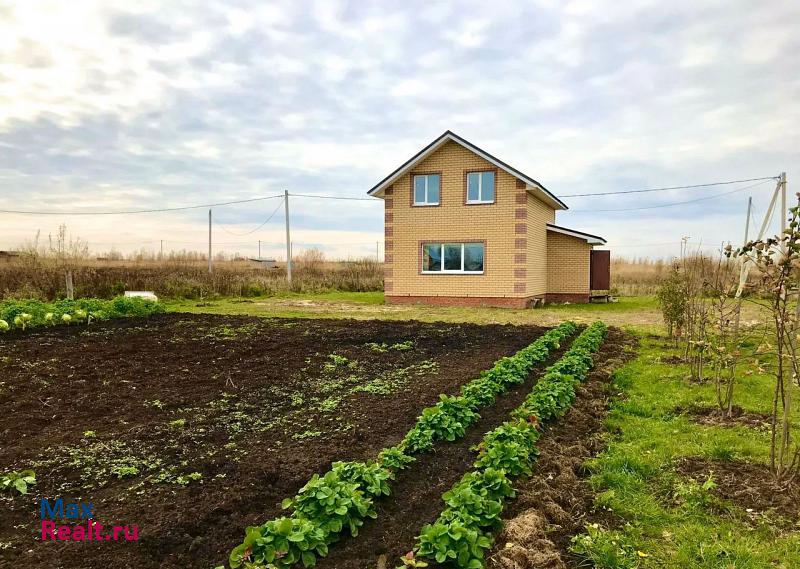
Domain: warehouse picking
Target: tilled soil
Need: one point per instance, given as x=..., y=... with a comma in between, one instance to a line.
x=746, y=485
x=193, y=427
x=554, y=504
x=739, y=417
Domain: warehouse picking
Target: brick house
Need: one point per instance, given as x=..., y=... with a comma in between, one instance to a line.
x=464, y=228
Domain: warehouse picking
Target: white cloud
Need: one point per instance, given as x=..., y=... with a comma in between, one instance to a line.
x=112, y=104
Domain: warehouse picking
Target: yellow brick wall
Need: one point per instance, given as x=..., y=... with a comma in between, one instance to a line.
x=539, y=215
x=454, y=221
x=567, y=264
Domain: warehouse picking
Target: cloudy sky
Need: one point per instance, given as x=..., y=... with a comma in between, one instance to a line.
x=135, y=105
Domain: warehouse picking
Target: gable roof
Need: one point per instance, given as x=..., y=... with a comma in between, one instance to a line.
x=588, y=237
x=539, y=190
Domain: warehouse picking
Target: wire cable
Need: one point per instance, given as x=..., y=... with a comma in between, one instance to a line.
x=677, y=203
x=257, y=228
x=158, y=210
x=335, y=197
x=669, y=188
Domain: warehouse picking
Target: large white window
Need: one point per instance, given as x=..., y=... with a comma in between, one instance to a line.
x=452, y=258
x=480, y=187
x=426, y=189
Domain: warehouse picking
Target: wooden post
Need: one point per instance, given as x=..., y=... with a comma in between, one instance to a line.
x=70, y=286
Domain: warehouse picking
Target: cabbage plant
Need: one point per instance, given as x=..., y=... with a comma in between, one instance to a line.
x=4, y=326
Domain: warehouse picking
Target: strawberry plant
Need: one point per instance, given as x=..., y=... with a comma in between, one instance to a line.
x=372, y=478
x=280, y=544
x=332, y=504
x=454, y=543
x=511, y=448
x=394, y=458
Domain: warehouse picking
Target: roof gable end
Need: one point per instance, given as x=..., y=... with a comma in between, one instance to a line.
x=539, y=190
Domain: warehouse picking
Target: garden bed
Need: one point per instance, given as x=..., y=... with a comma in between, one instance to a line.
x=556, y=501
x=194, y=427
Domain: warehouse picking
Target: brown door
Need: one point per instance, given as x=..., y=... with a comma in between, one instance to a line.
x=600, y=270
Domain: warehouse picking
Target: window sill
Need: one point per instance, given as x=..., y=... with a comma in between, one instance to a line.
x=424, y=204
x=452, y=272
x=479, y=203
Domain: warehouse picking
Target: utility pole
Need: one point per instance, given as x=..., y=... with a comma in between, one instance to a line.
x=747, y=223
x=162, y=249
x=288, y=238
x=259, y=249
x=783, y=205
x=378, y=251
x=210, y=261
x=747, y=262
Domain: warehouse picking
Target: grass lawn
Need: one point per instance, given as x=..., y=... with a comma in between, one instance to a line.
x=658, y=518
x=648, y=513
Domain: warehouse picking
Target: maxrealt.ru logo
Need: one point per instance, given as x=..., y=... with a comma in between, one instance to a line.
x=81, y=525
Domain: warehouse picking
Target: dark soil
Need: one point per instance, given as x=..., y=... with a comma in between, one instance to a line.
x=121, y=413
x=416, y=497
x=712, y=416
x=746, y=485
x=554, y=504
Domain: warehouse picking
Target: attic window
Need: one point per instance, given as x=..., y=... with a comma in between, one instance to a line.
x=426, y=189
x=480, y=187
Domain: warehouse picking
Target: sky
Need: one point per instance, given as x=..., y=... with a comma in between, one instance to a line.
x=108, y=106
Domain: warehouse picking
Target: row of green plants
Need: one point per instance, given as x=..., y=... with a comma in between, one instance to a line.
x=344, y=498
x=463, y=532
x=24, y=314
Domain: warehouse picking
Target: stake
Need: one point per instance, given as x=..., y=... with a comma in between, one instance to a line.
x=288, y=238
x=210, y=261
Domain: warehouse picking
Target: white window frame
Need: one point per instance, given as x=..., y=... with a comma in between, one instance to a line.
x=414, y=189
x=444, y=271
x=480, y=187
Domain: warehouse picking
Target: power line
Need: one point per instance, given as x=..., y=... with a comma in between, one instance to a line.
x=678, y=203
x=668, y=188
x=334, y=197
x=201, y=206
x=257, y=228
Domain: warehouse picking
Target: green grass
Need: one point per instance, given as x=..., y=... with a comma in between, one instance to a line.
x=635, y=478
x=628, y=311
